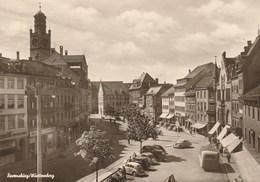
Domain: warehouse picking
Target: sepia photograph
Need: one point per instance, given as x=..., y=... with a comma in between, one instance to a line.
x=129, y=91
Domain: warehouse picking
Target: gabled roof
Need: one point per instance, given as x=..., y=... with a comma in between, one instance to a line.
x=112, y=87
x=153, y=90
x=197, y=70
x=170, y=91
x=252, y=94
x=140, y=80
x=205, y=82
x=75, y=58
x=55, y=59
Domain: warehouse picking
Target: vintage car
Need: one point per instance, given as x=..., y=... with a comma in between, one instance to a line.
x=150, y=157
x=158, y=153
x=133, y=168
x=182, y=143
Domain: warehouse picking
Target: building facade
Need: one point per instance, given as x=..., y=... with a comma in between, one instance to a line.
x=13, y=115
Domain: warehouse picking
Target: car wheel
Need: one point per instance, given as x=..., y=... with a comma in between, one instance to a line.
x=134, y=173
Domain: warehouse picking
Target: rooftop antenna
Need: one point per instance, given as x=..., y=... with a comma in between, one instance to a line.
x=40, y=6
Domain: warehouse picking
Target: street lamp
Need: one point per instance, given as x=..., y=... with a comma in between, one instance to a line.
x=38, y=90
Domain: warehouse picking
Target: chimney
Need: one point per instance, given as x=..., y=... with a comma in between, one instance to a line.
x=249, y=43
x=246, y=48
x=157, y=80
x=18, y=55
x=224, y=55
x=0, y=54
x=189, y=71
x=66, y=52
x=61, y=50
x=30, y=58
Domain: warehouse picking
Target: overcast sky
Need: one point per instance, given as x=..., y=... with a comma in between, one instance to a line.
x=123, y=38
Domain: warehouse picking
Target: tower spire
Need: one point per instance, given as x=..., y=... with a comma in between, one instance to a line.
x=40, y=6
x=258, y=31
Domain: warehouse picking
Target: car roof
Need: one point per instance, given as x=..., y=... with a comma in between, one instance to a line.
x=147, y=153
x=133, y=163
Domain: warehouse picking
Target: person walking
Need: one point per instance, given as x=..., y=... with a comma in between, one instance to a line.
x=124, y=173
x=228, y=157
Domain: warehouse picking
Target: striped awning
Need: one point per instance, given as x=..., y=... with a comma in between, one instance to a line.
x=198, y=125
x=233, y=145
x=223, y=132
x=228, y=140
x=214, y=128
x=163, y=115
x=170, y=116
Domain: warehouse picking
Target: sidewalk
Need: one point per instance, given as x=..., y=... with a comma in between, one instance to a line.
x=247, y=165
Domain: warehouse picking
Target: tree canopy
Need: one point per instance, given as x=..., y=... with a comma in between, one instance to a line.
x=94, y=145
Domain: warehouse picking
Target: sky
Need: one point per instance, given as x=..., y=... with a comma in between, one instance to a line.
x=121, y=39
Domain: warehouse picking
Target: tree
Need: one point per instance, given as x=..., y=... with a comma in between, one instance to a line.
x=94, y=146
x=140, y=129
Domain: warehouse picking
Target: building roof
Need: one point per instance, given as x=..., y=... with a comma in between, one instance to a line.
x=205, y=82
x=55, y=59
x=137, y=83
x=252, y=94
x=153, y=90
x=170, y=91
x=75, y=58
x=190, y=93
x=112, y=87
x=197, y=70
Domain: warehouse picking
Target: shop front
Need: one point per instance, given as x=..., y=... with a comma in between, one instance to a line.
x=13, y=147
x=48, y=142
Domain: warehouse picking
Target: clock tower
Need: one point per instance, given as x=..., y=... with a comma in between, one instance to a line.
x=40, y=41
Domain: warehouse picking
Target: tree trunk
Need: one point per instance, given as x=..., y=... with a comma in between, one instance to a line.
x=97, y=171
x=140, y=145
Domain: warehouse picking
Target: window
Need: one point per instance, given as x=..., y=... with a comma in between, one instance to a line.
x=10, y=83
x=2, y=101
x=32, y=104
x=2, y=82
x=205, y=106
x=253, y=112
x=11, y=122
x=20, y=120
x=248, y=109
x=10, y=101
x=20, y=84
x=20, y=101
x=219, y=95
x=228, y=94
x=205, y=94
x=2, y=123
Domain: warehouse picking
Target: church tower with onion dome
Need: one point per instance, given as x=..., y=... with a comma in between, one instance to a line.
x=40, y=40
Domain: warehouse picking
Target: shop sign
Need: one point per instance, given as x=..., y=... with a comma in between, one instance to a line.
x=44, y=131
x=7, y=145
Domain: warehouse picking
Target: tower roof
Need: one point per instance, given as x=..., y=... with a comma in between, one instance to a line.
x=39, y=14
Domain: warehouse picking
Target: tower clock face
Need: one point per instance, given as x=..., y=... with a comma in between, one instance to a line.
x=35, y=42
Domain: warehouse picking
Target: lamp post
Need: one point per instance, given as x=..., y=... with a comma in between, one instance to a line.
x=38, y=90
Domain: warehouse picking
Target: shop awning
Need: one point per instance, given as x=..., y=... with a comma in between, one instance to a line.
x=233, y=145
x=198, y=125
x=170, y=116
x=214, y=128
x=163, y=115
x=228, y=140
x=223, y=132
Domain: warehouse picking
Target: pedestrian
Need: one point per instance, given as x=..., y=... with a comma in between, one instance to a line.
x=228, y=157
x=124, y=172
x=134, y=155
x=128, y=141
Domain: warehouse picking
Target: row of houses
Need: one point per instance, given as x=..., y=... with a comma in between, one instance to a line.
x=61, y=80
x=210, y=98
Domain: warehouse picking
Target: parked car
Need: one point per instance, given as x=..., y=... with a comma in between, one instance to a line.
x=134, y=169
x=182, y=143
x=150, y=157
x=144, y=161
x=159, y=147
x=158, y=153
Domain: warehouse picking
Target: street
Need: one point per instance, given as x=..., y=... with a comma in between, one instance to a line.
x=183, y=163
